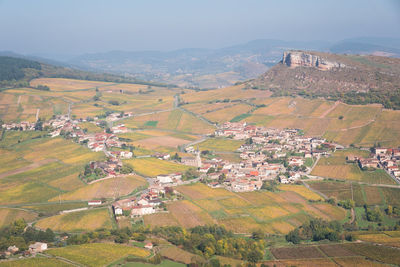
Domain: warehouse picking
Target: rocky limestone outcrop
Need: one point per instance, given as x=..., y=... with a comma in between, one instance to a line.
x=298, y=58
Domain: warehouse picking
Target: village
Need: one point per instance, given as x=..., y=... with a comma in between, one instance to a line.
x=268, y=155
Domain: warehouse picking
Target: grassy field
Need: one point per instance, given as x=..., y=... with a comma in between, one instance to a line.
x=220, y=144
x=7, y=216
x=176, y=254
x=276, y=213
x=110, y=188
x=55, y=207
x=87, y=220
x=97, y=254
x=152, y=167
x=90, y=127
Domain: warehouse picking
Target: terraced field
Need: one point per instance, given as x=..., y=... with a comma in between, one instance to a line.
x=244, y=212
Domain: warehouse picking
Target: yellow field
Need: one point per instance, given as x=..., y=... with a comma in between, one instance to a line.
x=59, y=84
x=152, y=167
x=201, y=191
x=110, y=188
x=302, y=191
x=97, y=254
x=35, y=262
x=276, y=213
x=78, y=221
x=8, y=216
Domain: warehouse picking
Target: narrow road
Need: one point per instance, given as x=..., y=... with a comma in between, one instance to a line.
x=353, y=216
x=315, y=191
x=329, y=110
x=37, y=114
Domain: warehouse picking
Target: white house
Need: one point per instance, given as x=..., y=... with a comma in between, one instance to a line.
x=118, y=210
x=142, y=210
x=37, y=247
x=164, y=179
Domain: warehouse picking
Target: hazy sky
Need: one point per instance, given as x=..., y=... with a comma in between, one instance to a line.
x=81, y=26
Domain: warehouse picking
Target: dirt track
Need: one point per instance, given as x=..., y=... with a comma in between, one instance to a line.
x=27, y=168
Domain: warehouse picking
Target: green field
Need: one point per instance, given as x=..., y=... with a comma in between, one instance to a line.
x=240, y=117
x=151, y=123
x=220, y=145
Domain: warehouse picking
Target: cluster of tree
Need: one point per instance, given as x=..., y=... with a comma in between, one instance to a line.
x=117, y=236
x=90, y=174
x=114, y=102
x=126, y=168
x=271, y=185
x=42, y=87
x=176, y=157
x=190, y=174
x=315, y=230
x=347, y=204
x=213, y=240
x=390, y=210
x=19, y=235
x=373, y=215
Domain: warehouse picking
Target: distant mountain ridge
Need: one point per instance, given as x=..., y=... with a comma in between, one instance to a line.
x=211, y=68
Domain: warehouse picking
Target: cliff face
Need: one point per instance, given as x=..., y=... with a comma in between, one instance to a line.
x=297, y=58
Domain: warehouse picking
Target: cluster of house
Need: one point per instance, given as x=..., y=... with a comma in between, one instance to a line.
x=95, y=141
x=150, y=200
x=109, y=168
x=266, y=155
x=118, y=116
x=37, y=247
x=19, y=126
x=147, y=203
x=386, y=158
